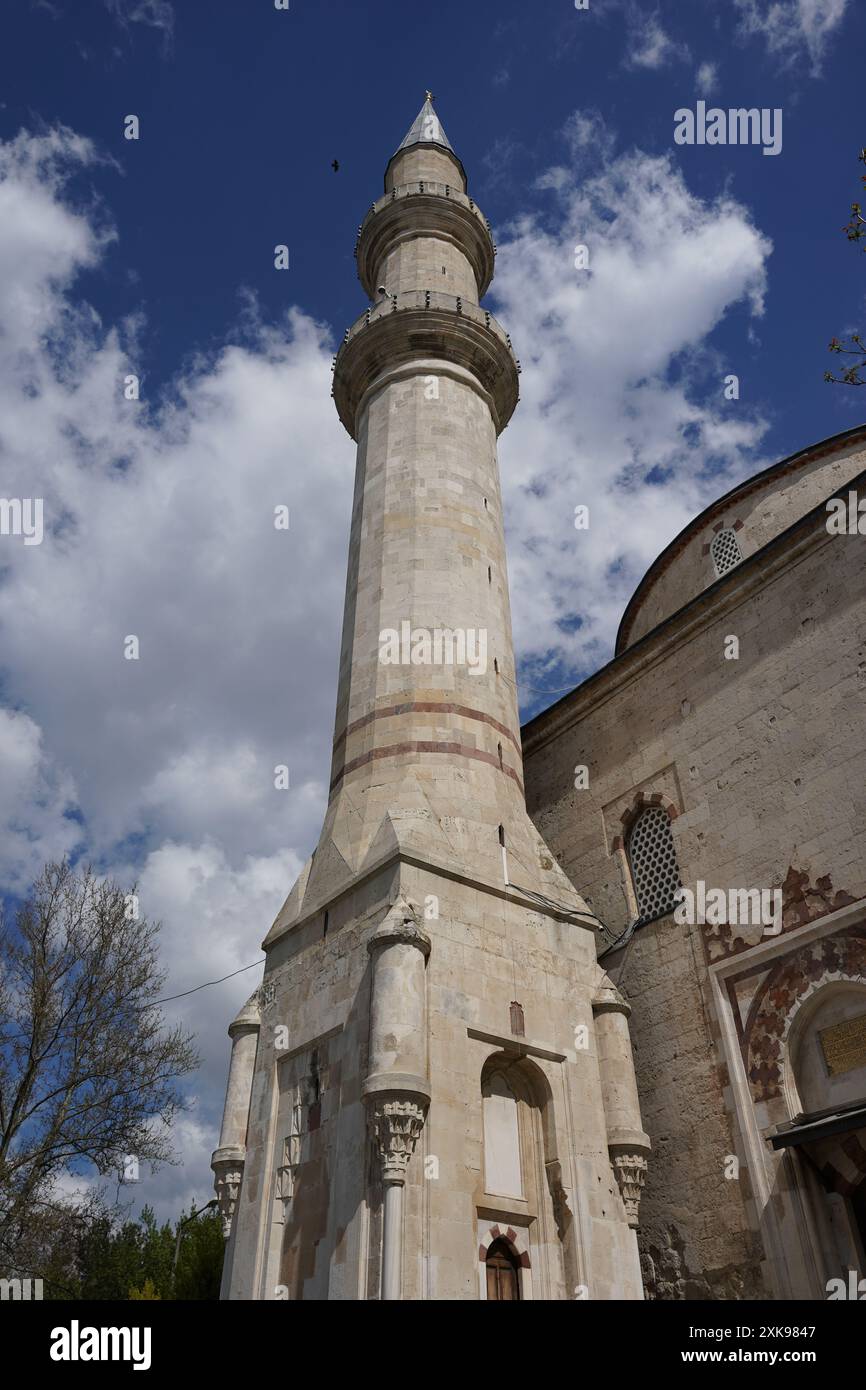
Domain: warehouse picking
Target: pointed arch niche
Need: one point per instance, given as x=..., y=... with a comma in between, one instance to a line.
x=824, y=1071
x=522, y=1208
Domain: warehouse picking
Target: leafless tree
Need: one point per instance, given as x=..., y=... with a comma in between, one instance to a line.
x=852, y=374
x=88, y=1066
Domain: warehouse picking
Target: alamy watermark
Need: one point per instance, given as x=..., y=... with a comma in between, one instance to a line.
x=438, y=646
x=77, y=1343
x=854, y=1289
x=846, y=518
x=735, y=907
x=22, y=516
x=737, y=126
x=20, y=1289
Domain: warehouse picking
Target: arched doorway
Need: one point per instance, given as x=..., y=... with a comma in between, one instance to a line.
x=503, y=1272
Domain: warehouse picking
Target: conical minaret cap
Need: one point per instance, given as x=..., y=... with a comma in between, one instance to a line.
x=426, y=129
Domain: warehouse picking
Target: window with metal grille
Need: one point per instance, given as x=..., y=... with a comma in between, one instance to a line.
x=653, y=860
x=725, y=550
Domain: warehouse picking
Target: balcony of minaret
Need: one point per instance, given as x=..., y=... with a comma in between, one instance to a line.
x=414, y=330
x=426, y=234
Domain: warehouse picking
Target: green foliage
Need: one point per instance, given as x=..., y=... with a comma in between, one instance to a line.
x=146, y=1294
x=116, y=1261
x=200, y=1264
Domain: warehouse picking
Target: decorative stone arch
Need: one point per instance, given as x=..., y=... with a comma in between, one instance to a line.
x=736, y=525
x=641, y=802
x=829, y=1171
x=517, y=1239
x=772, y=1014
x=797, y=1021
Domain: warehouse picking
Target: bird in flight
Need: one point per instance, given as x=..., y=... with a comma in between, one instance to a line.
x=335, y=166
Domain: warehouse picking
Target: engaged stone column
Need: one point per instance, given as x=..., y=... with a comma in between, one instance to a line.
x=628, y=1145
x=227, y=1161
x=396, y=1091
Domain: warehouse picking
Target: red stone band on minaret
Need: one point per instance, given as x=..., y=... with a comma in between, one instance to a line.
x=427, y=707
x=453, y=750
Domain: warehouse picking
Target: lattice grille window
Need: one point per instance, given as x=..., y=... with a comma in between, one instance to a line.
x=725, y=550
x=653, y=859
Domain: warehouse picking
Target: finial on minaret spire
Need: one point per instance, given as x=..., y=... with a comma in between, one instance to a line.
x=429, y=96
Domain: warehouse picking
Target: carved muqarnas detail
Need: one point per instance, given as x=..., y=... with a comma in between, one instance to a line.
x=630, y=1170
x=227, y=1185
x=396, y=1124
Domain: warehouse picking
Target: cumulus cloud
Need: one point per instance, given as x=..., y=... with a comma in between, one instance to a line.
x=649, y=44
x=707, y=78
x=159, y=523
x=617, y=411
x=38, y=801
x=793, y=29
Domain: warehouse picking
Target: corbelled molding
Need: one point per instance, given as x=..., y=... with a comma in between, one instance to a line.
x=228, y=1170
x=424, y=210
x=630, y=1169
x=426, y=324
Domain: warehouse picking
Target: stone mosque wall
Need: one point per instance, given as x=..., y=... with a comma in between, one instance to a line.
x=760, y=764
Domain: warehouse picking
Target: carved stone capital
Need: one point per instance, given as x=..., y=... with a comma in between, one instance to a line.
x=631, y=1170
x=396, y=1120
x=228, y=1170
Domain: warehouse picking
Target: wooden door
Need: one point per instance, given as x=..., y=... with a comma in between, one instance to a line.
x=503, y=1277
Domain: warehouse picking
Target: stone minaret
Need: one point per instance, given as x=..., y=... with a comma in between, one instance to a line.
x=441, y=1103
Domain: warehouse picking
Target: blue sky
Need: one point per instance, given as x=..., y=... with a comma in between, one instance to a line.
x=243, y=109
x=156, y=257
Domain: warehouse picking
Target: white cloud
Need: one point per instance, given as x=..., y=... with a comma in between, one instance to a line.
x=156, y=14
x=649, y=45
x=36, y=801
x=707, y=78
x=159, y=520
x=604, y=420
x=793, y=28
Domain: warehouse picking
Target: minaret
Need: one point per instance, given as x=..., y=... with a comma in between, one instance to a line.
x=437, y=1043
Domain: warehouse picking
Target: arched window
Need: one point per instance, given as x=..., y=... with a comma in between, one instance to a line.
x=503, y=1272
x=653, y=862
x=725, y=550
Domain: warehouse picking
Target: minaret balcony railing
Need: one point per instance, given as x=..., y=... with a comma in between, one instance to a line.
x=425, y=324
x=425, y=208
